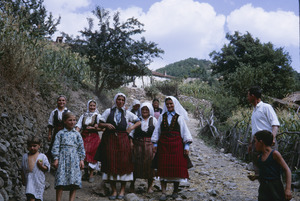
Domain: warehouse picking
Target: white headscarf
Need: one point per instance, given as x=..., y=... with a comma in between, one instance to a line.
x=149, y=106
x=177, y=108
x=135, y=102
x=115, y=99
x=88, y=110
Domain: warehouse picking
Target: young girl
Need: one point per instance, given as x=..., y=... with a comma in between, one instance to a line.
x=34, y=166
x=68, y=153
x=172, y=138
x=157, y=109
x=143, y=147
x=88, y=124
x=55, y=122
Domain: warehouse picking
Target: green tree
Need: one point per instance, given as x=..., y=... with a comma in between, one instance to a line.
x=245, y=61
x=31, y=15
x=114, y=55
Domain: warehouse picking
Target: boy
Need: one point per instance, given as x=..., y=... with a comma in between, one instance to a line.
x=270, y=164
x=34, y=166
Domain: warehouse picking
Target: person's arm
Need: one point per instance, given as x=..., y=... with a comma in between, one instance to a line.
x=49, y=133
x=274, y=133
x=277, y=157
x=41, y=166
x=134, y=126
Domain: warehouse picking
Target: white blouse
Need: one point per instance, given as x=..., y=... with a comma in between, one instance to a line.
x=184, y=130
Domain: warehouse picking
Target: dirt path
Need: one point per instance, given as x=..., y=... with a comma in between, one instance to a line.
x=215, y=176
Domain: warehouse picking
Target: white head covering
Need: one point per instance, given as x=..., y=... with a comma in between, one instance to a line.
x=135, y=102
x=177, y=108
x=87, y=107
x=115, y=99
x=149, y=106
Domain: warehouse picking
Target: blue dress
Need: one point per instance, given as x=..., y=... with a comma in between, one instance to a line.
x=69, y=150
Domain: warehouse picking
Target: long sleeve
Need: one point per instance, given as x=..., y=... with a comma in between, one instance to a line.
x=157, y=130
x=184, y=131
x=80, y=147
x=56, y=145
x=79, y=123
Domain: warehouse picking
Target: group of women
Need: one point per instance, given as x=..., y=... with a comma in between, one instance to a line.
x=134, y=142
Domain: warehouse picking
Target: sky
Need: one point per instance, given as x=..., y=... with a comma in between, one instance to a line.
x=192, y=28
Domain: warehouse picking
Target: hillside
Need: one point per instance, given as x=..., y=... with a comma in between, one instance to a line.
x=191, y=67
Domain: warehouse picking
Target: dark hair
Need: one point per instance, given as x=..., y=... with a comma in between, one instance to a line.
x=265, y=136
x=61, y=96
x=34, y=140
x=168, y=99
x=67, y=115
x=256, y=91
x=155, y=99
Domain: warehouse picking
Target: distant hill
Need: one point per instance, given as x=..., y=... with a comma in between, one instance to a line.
x=191, y=67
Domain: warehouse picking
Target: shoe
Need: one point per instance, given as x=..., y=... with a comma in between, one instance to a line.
x=112, y=197
x=174, y=196
x=163, y=197
x=120, y=197
x=91, y=179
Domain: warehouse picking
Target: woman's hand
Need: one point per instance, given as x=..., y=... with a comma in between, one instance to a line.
x=81, y=164
x=55, y=163
x=110, y=126
x=186, y=152
x=154, y=149
x=131, y=144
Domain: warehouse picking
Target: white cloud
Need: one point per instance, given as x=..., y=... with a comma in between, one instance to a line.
x=183, y=28
x=279, y=28
x=62, y=6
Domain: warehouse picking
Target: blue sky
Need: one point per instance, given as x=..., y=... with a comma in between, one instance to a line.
x=193, y=28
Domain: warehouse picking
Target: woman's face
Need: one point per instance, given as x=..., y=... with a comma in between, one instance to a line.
x=145, y=112
x=61, y=102
x=92, y=106
x=120, y=101
x=155, y=104
x=170, y=105
x=70, y=122
x=136, y=107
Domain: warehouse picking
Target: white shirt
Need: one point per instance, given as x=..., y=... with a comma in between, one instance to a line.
x=184, y=130
x=51, y=118
x=129, y=116
x=88, y=120
x=263, y=118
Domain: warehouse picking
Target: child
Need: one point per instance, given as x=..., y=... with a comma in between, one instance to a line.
x=34, y=166
x=172, y=138
x=55, y=122
x=270, y=164
x=68, y=153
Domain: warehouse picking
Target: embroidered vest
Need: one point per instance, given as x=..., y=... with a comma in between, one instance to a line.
x=139, y=133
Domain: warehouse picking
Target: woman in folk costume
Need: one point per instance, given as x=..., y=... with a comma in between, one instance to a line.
x=135, y=108
x=88, y=125
x=143, y=147
x=115, y=149
x=55, y=122
x=172, y=138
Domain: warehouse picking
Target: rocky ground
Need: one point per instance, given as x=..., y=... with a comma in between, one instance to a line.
x=215, y=176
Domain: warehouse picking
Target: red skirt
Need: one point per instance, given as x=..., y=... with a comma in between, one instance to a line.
x=115, y=153
x=91, y=141
x=143, y=156
x=171, y=161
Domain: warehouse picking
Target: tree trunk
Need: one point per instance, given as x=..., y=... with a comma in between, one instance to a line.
x=100, y=89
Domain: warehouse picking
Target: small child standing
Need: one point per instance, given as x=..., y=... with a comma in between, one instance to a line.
x=270, y=164
x=34, y=166
x=68, y=154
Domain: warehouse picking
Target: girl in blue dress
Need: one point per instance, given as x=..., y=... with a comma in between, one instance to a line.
x=68, y=153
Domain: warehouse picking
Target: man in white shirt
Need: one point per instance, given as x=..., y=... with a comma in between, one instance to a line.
x=263, y=118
